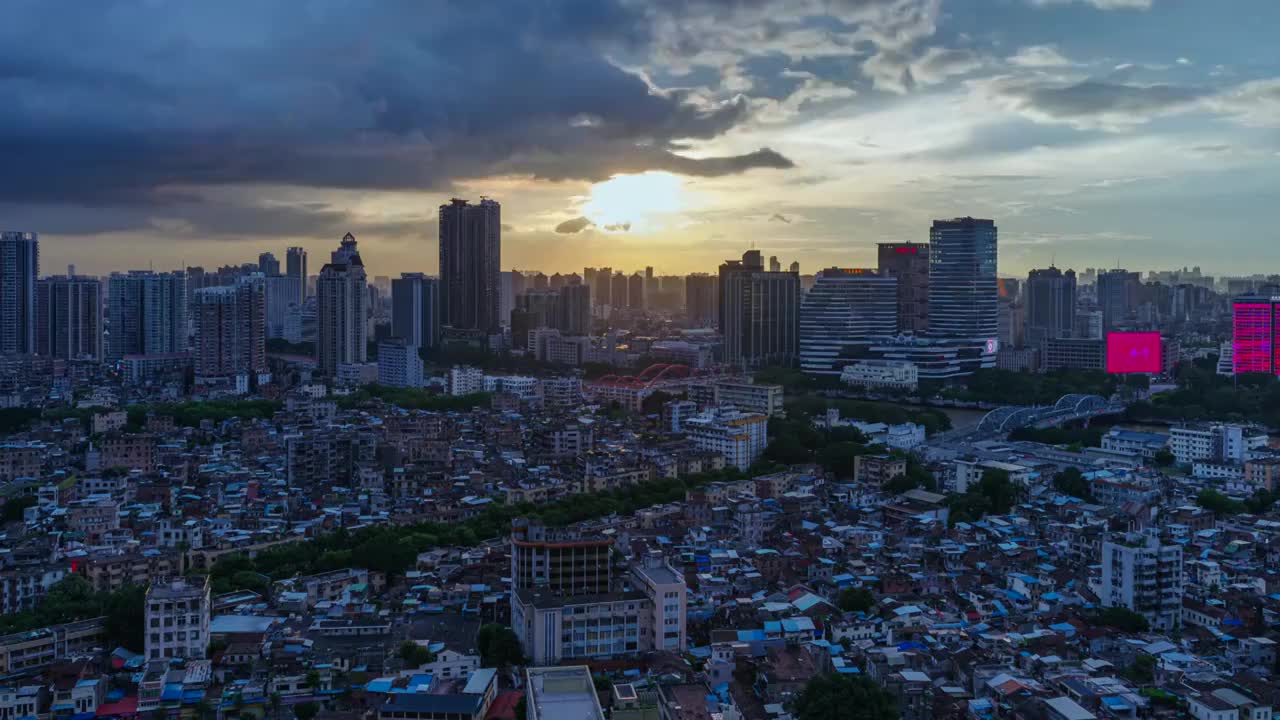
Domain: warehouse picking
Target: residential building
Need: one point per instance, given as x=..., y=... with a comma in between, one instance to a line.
x=842, y=314
x=69, y=317
x=399, y=364
x=177, y=618
x=878, y=469
x=1073, y=353
x=759, y=313
x=1255, y=334
x=556, y=693
x=1215, y=442
x=341, y=310
x=281, y=295
x=701, y=301
x=231, y=337
x=749, y=397
x=147, y=313
x=296, y=270
x=470, y=258
x=1263, y=473
x=465, y=380
x=668, y=596
x=19, y=267
x=740, y=437
x=1144, y=575
x=558, y=561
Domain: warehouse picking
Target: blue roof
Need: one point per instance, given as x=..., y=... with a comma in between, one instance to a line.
x=172, y=691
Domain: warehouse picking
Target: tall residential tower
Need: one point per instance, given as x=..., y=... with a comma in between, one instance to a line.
x=470, y=257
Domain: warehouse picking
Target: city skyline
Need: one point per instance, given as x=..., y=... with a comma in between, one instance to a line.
x=1096, y=132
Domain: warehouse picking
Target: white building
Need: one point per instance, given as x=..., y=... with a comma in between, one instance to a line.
x=749, y=397
x=740, y=437
x=669, y=600
x=399, y=364
x=1217, y=443
x=882, y=375
x=465, y=380
x=355, y=374
x=526, y=388
x=177, y=619
x=1141, y=574
x=553, y=693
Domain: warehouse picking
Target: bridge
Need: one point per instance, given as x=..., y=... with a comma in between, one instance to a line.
x=1069, y=408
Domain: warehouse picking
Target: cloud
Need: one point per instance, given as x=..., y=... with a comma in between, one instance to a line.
x=779, y=217
x=129, y=102
x=1038, y=56
x=1101, y=4
x=1090, y=103
x=576, y=225
x=1255, y=103
x=618, y=227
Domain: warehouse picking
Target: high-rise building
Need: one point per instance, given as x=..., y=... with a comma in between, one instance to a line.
x=534, y=309
x=415, y=309
x=1144, y=575
x=1255, y=336
x=341, y=312
x=573, y=312
x=176, y=618
x=69, y=317
x=511, y=285
x=618, y=288
x=268, y=265
x=1119, y=294
x=602, y=291
x=296, y=268
x=701, y=300
x=281, y=293
x=844, y=312
x=230, y=340
x=909, y=263
x=635, y=291
x=774, y=265
x=147, y=313
x=1051, y=305
x=962, y=279
x=759, y=313
x=470, y=257
x=19, y=267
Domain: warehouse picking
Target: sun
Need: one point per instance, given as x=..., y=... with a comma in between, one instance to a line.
x=643, y=202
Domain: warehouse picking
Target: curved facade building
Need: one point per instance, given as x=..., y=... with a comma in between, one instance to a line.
x=843, y=314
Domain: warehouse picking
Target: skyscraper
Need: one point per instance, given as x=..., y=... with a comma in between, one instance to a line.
x=19, y=266
x=1119, y=292
x=909, y=263
x=844, y=312
x=147, y=313
x=618, y=288
x=1051, y=305
x=282, y=293
x=415, y=309
x=268, y=264
x=296, y=268
x=759, y=312
x=635, y=291
x=602, y=290
x=962, y=279
x=69, y=317
x=341, y=311
x=230, y=340
x=573, y=310
x=1255, y=341
x=701, y=301
x=470, y=257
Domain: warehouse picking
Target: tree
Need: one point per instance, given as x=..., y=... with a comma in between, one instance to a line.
x=306, y=710
x=313, y=679
x=415, y=655
x=1124, y=619
x=856, y=600
x=838, y=458
x=1220, y=504
x=1071, y=482
x=844, y=697
x=499, y=646
x=1164, y=458
x=14, y=508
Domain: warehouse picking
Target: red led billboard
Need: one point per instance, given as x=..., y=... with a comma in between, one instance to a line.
x=1133, y=352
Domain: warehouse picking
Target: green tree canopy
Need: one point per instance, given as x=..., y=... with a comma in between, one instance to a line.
x=844, y=697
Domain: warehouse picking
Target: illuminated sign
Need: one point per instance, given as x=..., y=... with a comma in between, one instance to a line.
x=907, y=250
x=1133, y=352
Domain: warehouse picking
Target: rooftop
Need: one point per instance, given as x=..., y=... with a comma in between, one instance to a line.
x=562, y=693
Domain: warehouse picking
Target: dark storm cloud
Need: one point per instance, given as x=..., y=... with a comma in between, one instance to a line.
x=1095, y=101
x=121, y=102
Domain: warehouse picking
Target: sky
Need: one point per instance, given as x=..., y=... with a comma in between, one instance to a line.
x=628, y=133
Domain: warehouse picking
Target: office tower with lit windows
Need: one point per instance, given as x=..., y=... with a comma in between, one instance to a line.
x=147, y=313
x=845, y=312
x=415, y=309
x=69, y=317
x=1255, y=334
x=759, y=313
x=19, y=267
x=962, y=279
x=909, y=263
x=341, y=310
x=1119, y=294
x=1050, y=302
x=470, y=261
